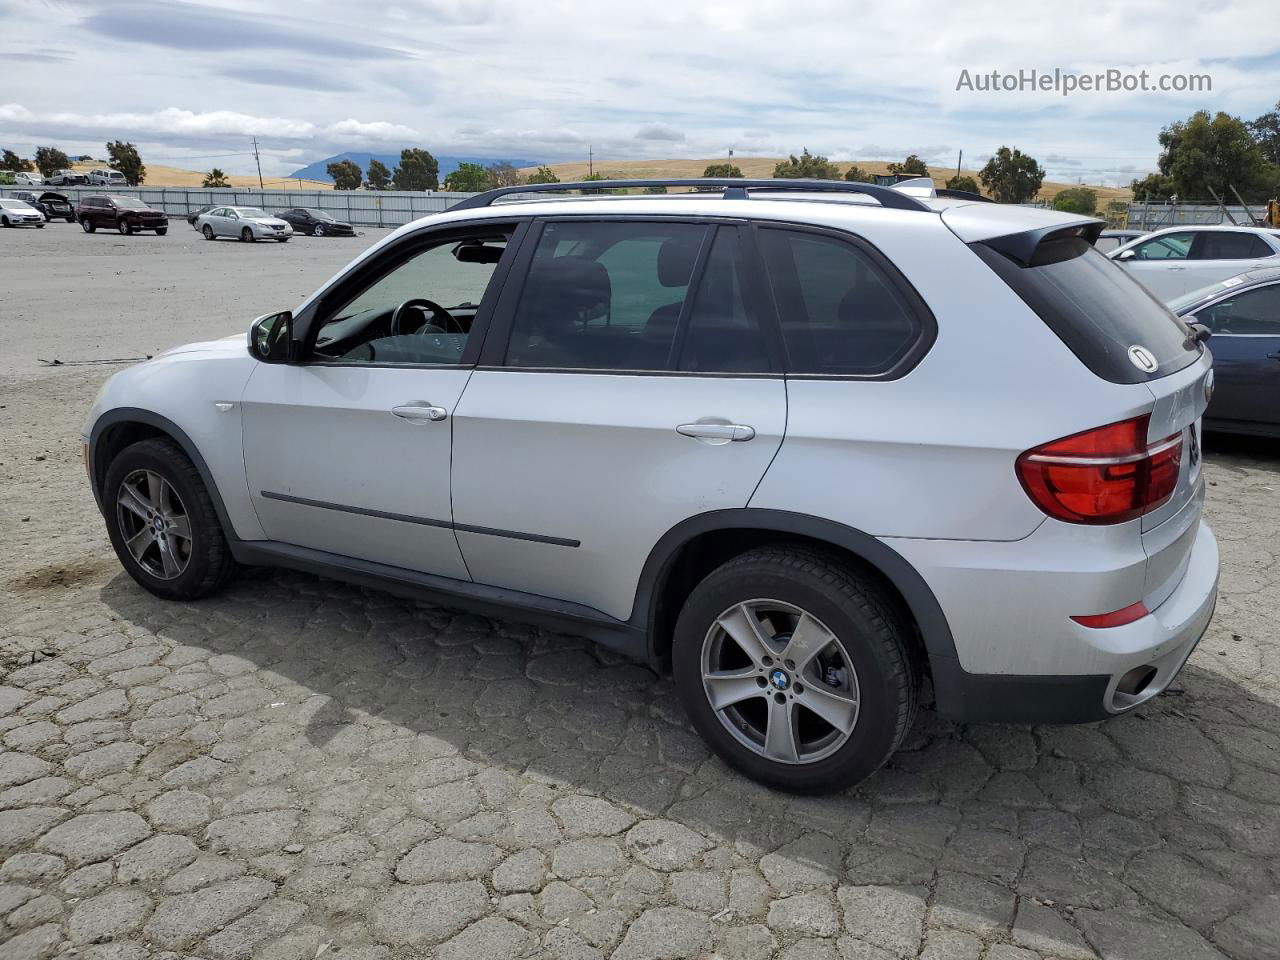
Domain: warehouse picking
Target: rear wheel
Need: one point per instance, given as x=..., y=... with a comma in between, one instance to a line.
x=87, y=225
x=795, y=669
x=207, y=231
x=162, y=523
x=161, y=231
x=282, y=239
x=246, y=235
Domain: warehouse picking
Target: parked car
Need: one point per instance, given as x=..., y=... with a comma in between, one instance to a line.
x=1177, y=260
x=318, y=223
x=192, y=217
x=245, y=223
x=24, y=179
x=104, y=177
x=54, y=206
x=760, y=442
x=126, y=214
x=1109, y=240
x=1243, y=315
x=19, y=213
x=65, y=178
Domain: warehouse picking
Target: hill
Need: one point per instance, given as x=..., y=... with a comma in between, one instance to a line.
x=159, y=175
x=317, y=170
x=763, y=167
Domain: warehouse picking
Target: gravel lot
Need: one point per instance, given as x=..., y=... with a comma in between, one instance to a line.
x=299, y=768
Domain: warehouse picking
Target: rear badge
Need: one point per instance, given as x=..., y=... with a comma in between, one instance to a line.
x=1143, y=359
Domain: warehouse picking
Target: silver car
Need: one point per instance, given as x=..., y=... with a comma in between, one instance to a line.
x=804, y=444
x=243, y=223
x=19, y=213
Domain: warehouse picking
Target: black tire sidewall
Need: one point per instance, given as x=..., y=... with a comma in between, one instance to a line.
x=876, y=734
x=207, y=540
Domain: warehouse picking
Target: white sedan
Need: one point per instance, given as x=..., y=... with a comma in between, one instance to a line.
x=245, y=223
x=19, y=213
x=1177, y=260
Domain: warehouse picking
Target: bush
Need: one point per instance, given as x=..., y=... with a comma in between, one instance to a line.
x=807, y=166
x=1080, y=200
x=856, y=174
x=964, y=183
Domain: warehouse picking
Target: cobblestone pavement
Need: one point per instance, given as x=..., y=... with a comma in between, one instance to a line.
x=298, y=769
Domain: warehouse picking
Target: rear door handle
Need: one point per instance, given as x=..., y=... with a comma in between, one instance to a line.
x=420, y=412
x=722, y=432
x=1274, y=356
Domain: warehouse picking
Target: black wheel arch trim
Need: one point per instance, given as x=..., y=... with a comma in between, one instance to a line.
x=935, y=632
x=119, y=415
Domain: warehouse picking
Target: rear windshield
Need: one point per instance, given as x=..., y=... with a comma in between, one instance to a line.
x=1097, y=310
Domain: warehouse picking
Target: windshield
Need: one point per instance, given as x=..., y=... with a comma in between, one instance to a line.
x=1179, y=304
x=13, y=204
x=319, y=214
x=129, y=203
x=250, y=212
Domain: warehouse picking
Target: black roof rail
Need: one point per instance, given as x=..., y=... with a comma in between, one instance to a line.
x=735, y=188
x=961, y=195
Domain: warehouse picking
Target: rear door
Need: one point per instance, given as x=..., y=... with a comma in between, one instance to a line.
x=1246, y=352
x=629, y=383
x=1219, y=254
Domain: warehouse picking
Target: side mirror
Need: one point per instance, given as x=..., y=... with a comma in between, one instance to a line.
x=271, y=338
x=1124, y=255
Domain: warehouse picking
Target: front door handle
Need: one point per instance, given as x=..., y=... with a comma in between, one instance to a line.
x=721, y=432
x=420, y=412
x=1274, y=356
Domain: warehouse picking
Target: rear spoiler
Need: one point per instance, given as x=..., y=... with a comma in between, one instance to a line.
x=1023, y=246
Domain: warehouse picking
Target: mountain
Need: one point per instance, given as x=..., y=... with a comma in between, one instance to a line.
x=317, y=171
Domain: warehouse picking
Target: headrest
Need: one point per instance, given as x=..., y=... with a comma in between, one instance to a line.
x=567, y=289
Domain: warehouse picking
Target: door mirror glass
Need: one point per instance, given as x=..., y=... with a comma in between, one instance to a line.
x=271, y=338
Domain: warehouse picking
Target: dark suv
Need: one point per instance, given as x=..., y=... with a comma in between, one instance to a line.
x=126, y=214
x=54, y=206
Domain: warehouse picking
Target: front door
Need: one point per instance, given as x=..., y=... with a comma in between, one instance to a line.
x=349, y=452
x=1160, y=264
x=636, y=388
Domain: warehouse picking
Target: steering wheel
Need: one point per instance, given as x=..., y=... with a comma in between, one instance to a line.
x=422, y=303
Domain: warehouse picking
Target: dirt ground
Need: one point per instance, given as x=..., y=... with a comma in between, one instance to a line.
x=298, y=768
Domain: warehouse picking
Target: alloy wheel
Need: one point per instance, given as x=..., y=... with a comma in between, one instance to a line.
x=780, y=681
x=318, y=231
x=154, y=524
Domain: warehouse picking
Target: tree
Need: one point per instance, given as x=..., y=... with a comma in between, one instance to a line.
x=346, y=174
x=912, y=166
x=377, y=177
x=1011, y=176
x=966, y=183
x=502, y=174
x=660, y=188
x=856, y=174
x=124, y=157
x=543, y=174
x=1077, y=200
x=418, y=170
x=468, y=178
x=15, y=163
x=1152, y=187
x=1266, y=130
x=215, y=178
x=1206, y=155
x=722, y=170
x=807, y=166
x=51, y=159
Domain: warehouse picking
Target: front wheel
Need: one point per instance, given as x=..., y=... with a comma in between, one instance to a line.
x=282, y=239
x=162, y=523
x=4, y=222
x=317, y=231
x=207, y=231
x=124, y=227
x=161, y=231
x=795, y=669
x=87, y=225
x=246, y=235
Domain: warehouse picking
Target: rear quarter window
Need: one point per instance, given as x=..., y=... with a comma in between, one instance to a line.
x=1096, y=309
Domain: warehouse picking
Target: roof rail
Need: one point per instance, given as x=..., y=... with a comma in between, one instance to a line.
x=735, y=188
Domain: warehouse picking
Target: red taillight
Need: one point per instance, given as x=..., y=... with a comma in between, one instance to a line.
x=1105, y=475
x=1116, y=618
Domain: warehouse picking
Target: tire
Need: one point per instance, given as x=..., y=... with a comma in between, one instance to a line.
x=861, y=673
x=282, y=239
x=200, y=565
x=87, y=225
x=4, y=222
x=317, y=231
x=123, y=226
x=246, y=235
x=207, y=231
x=39, y=226
x=161, y=231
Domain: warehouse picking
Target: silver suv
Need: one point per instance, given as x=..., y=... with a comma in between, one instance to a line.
x=820, y=449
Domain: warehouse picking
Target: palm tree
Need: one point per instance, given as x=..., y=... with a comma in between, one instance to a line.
x=216, y=178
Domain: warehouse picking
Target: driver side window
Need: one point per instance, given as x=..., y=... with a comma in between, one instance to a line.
x=419, y=312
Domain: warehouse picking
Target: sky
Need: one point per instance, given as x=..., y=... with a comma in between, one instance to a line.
x=192, y=83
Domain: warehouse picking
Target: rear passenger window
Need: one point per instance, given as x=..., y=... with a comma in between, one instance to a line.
x=604, y=296
x=723, y=336
x=841, y=314
x=1228, y=245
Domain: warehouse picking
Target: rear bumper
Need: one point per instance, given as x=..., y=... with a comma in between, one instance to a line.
x=1102, y=663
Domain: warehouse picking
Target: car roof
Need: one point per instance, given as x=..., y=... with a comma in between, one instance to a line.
x=1241, y=281
x=1213, y=227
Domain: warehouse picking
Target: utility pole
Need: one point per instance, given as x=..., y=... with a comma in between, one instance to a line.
x=258, y=162
x=959, y=160
x=591, y=159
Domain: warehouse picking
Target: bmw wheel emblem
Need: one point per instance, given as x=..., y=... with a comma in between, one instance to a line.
x=780, y=680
